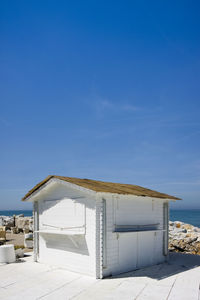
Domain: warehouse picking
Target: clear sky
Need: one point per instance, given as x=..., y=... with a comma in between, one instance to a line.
x=105, y=90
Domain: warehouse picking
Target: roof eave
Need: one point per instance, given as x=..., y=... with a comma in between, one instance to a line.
x=140, y=196
x=35, y=194
x=40, y=185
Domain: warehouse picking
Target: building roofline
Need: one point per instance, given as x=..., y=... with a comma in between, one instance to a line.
x=103, y=187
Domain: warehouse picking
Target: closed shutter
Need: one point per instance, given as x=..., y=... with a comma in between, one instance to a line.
x=65, y=213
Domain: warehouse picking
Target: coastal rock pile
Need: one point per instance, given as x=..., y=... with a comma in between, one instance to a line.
x=17, y=223
x=24, y=224
x=184, y=238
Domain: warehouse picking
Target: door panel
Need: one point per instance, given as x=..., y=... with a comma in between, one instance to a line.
x=146, y=242
x=136, y=250
x=127, y=252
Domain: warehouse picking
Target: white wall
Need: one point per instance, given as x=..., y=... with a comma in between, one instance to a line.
x=59, y=250
x=127, y=251
x=123, y=251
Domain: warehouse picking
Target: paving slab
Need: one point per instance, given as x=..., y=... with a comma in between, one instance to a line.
x=178, y=279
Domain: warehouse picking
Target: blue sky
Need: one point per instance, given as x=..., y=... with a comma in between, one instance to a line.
x=106, y=90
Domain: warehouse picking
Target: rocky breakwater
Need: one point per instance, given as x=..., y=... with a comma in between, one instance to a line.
x=184, y=238
x=17, y=224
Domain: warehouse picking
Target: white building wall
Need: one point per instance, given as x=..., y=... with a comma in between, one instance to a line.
x=59, y=250
x=99, y=238
x=101, y=251
x=111, y=240
x=147, y=246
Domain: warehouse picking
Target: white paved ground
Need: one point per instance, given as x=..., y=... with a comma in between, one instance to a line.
x=177, y=280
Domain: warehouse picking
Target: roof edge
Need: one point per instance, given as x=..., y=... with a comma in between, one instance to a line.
x=37, y=187
x=62, y=178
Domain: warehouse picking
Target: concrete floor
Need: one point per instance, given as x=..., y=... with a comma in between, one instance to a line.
x=177, y=280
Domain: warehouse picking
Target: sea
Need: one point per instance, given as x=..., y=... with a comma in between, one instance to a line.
x=190, y=216
x=9, y=213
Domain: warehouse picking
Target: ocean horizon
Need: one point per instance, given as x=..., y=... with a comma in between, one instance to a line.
x=9, y=213
x=190, y=216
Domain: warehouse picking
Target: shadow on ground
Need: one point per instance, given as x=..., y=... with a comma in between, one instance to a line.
x=177, y=263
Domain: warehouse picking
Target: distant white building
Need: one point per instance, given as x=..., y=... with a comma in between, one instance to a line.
x=98, y=228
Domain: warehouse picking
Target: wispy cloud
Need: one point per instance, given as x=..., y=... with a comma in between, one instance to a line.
x=129, y=107
x=103, y=106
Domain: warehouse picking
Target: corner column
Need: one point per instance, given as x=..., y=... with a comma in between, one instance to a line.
x=35, y=234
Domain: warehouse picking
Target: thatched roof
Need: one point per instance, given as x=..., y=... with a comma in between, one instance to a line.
x=105, y=187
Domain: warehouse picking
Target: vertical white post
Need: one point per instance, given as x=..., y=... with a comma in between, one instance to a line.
x=165, y=227
x=36, y=228
x=104, y=231
x=100, y=236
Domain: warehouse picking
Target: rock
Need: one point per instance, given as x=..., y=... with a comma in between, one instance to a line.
x=8, y=222
x=188, y=235
x=190, y=240
x=178, y=225
x=20, y=222
x=24, y=223
x=196, y=229
x=187, y=226
x=179, y=229
x=28, y=240
x=31, y=224
x=14, y=230
x=19, y=253
x=184, y=238
x=197, y=245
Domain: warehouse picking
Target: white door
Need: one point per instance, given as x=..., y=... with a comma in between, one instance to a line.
x=146, y=242
x=127, y=252
x=136, y=250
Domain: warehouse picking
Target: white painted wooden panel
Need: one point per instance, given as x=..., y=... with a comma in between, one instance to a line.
x=146, y=244
x=158, y=247
x=68, y=208
x=127, y=252
x=136, y=250
x=62, y=213
x=138, y=211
